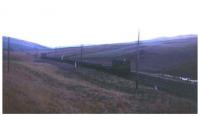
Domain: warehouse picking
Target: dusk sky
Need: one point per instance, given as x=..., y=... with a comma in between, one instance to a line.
x=57, y=23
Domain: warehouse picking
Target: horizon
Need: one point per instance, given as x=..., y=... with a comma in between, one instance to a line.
x=157, y=38
x=60, y=23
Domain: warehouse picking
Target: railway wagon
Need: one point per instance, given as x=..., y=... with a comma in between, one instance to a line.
x=121, y=66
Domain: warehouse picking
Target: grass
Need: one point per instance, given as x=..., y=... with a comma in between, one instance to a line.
x=166, y=56
x=188, y=69
x=38, y=87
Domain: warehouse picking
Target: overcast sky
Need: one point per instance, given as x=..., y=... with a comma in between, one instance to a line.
x=57, y=23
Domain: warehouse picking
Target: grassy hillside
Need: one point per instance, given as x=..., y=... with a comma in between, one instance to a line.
x=161, y=55
x=185, y=69
x=21, y=45
x=36, y=86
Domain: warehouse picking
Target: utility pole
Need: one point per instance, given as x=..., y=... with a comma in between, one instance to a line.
x=137, y=61
x=8, y=54
x=55, y=52
x=81, y=52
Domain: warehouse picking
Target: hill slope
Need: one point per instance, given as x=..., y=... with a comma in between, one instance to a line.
x=21, y=45
x=161, y=55
x=34, y=86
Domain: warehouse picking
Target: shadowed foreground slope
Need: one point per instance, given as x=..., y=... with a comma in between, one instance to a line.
x=49, y=87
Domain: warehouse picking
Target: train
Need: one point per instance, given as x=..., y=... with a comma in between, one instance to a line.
x=121, y=66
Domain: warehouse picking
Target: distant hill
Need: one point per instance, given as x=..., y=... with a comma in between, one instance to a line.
x=21, y=45
x=172, y=55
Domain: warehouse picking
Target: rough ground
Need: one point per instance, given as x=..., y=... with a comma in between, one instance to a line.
x=50, y=87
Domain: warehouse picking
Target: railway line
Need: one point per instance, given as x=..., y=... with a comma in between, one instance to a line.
x=177, y=87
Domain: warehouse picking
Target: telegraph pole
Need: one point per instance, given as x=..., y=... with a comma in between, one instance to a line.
x=137, y=61
x=81, y=52
x=55, y=52
x=8, y=54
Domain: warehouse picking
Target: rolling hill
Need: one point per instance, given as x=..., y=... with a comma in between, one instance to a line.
x=35, y=85
x=18, y=45
x=172, y=55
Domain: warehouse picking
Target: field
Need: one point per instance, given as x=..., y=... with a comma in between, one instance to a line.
x=42, y=86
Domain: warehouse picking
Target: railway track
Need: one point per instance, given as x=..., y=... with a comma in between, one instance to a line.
x=173, y=86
